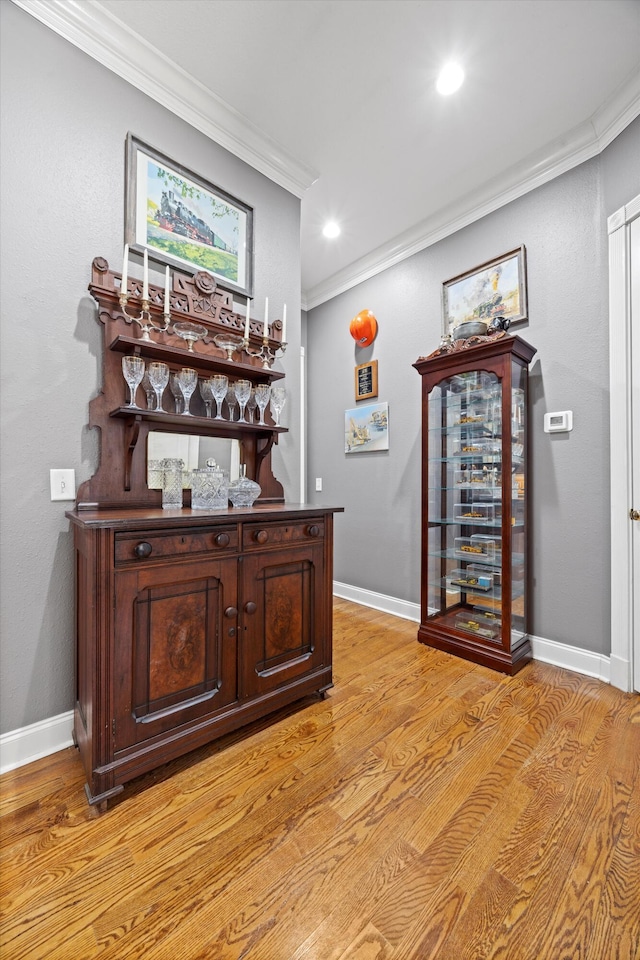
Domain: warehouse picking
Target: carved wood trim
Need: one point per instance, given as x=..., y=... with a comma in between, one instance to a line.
x=120, y=479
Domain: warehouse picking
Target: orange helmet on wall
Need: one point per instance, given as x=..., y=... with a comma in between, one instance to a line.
x=363, y=328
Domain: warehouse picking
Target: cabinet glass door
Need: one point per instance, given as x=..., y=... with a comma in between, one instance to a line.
x=518, y=503
x=467, y=468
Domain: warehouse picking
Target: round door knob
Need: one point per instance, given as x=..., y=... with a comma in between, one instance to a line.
x=250, y=607
x=231, y=612
x=143, y=550
x=313, y=530
x=261, y=536
x=222, y=540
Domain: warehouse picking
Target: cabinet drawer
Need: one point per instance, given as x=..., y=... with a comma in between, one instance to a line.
x=145, y=546
x=256, y=535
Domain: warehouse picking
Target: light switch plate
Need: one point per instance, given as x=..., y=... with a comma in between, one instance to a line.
x=318, y=484
x=63, y=484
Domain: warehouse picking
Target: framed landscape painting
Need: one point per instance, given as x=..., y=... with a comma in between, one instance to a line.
x=497, y=288
x=366, y=428
x=185, y=221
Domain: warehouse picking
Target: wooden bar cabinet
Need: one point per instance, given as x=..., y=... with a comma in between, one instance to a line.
x=189, y=623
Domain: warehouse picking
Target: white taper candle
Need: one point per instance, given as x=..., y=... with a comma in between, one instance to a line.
x=125, y=271
x=167, y=284
x=145, y=277
x=247, y=319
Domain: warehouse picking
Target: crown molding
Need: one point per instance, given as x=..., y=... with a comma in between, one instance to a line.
x=93, y=30
x=584, y=142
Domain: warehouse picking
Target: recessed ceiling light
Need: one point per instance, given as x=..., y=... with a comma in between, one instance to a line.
x=331, y=230
x=450, y=79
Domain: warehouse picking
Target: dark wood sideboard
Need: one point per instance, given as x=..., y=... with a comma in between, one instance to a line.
x=189, y=623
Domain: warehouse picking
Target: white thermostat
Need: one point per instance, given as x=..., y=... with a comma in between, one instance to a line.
x=558, y=422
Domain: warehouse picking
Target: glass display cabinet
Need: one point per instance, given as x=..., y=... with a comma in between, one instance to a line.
x=474, y=501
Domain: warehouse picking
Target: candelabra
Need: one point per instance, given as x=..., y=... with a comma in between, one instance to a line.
x=144, y=318
x=265, y=351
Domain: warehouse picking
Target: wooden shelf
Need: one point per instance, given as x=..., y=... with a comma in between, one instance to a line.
x=178, y=422
x=179, y=357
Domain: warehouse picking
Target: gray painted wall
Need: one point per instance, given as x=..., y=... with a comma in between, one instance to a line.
x=563, y=226
x=64, y=123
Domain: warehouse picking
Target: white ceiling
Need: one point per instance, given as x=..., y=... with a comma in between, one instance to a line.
x=335, y=99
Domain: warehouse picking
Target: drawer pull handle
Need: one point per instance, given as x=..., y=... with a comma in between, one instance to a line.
x=313, y=530
x=143, y=550
x=222, y=540
x=231, y=612
x=261, y=536
x=250, y=607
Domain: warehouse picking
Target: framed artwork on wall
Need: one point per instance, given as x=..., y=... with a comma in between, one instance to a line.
x=497, y=288
x=185, y=221
x=366, y=380
x=366, y=428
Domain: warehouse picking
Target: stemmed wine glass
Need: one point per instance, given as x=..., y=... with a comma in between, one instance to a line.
x=263, y=392
x=206, y=394
x=158, y=378
x=174, y=386
x=133, y=372
x=149, y=392
x=187, y=380
x=219, y=385
x=243, y=392
x=232, y=403
x=251, y=405
x=278, y=399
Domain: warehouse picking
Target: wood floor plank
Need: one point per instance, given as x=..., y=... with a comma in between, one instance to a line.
x=616, y=926
x=427, y=809
x=368, y=945
x=341, y=925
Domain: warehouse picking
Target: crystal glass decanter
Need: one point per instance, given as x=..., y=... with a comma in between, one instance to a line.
x=210, y=488
x=243, y=491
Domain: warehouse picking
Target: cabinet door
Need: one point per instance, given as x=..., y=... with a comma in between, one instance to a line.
x=284, y=621
x=175, y=646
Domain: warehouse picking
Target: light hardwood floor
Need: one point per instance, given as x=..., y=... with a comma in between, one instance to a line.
x=427, y=808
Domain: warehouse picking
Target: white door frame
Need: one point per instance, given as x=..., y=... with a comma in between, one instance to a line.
x=621, y=436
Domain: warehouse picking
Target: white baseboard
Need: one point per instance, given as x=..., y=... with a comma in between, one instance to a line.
x=378, y=601
x=621, y=673
x=548, y=651
x=26, y=744
x=572, y=658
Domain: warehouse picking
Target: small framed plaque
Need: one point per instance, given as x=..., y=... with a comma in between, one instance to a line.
x=366, y=380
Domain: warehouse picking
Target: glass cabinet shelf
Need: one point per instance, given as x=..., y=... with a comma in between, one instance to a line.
x=474, y=530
